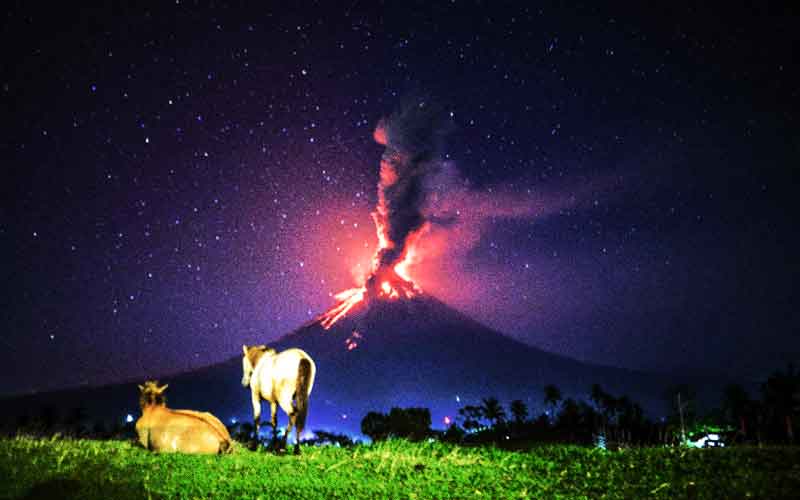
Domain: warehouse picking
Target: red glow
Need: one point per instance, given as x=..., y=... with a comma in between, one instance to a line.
x=352, y=341
x=380, y=133
x=393, y=283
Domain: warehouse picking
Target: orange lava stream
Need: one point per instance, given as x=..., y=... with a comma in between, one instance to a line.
x=348, y=299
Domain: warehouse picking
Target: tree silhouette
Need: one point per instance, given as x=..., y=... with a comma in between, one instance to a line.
x=782, y=397
x=735, y=404
x=325, y=437
x=375, y=425
x=48, y=418
x=569, y=418
x=98, y=429
x=552, y=396
x=411, y=423
x=519, y=411
x=471, y=417
x=75, y=420
x=597, y=395
x=493, y=411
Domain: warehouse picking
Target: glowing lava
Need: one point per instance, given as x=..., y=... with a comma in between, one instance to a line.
x=386, y=283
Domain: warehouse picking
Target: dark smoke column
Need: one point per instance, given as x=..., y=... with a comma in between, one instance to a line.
x=413, y=137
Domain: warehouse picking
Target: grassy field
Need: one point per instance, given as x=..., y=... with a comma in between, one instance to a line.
x=86, y=469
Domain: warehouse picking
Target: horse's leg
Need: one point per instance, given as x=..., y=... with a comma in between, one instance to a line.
x=298, y=426
x=297, y=431
x=256, y=400
x=291, y=412
x=273, y=420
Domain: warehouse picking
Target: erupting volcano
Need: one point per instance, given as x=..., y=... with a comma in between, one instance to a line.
x=412, y=138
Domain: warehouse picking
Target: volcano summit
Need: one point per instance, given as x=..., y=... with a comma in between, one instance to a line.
x=387, y=352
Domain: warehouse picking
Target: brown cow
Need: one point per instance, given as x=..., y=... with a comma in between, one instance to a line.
x=165, y=430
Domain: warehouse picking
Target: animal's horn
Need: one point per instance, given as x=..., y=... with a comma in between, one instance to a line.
x=141, y=387
x=164, y=388
x=244, y=349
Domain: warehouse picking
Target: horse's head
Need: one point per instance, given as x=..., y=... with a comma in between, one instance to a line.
x=152, y=394
x=250, y=358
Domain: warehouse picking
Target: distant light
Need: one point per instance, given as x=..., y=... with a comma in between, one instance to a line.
x=458, y=399
x=709, y=440
x=600, y=441
x=129, y=418
x=447, y=420
x=700, y=443
x=233, y=420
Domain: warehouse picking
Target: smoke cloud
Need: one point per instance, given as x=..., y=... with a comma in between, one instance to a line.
x=413, y=137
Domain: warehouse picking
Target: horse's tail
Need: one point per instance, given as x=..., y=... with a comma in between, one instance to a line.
x=301, y=392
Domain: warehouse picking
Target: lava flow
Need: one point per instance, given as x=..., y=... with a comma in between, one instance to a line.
x=411, y=137
x=383, y=283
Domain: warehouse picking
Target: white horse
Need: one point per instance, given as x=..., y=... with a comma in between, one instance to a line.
x=284, y=379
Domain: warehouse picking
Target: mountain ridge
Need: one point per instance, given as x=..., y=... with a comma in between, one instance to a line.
x=385, y=353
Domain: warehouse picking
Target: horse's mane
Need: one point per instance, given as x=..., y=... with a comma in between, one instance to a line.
x=254, y=353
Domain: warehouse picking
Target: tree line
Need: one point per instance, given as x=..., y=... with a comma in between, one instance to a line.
x=609, y=420
x=602, y=418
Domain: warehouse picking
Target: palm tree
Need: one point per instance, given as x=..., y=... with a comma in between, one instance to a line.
x=519, y=411
x=735, y=403
x=570, y=417
x=471, y=417
x=552, y=395
x=598, y=397
x=493, y=411
x=782, y=395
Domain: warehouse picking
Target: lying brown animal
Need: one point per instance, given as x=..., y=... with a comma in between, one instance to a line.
x=165, y=430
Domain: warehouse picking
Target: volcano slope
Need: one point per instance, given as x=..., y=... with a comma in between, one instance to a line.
x=404, y=352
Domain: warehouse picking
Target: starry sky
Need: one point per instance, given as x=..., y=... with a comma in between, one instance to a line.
x=182, y=178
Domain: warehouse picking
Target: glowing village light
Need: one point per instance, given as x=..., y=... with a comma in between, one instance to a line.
x=129, y=418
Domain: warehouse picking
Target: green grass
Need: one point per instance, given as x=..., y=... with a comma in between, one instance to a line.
x=86, y=469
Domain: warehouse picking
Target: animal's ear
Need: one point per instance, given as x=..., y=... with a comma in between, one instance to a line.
x=141, y=387
x=244, y=349
x=263, y=348
x=162, y=389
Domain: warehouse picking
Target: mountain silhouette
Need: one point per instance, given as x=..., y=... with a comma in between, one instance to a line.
x=385, y=353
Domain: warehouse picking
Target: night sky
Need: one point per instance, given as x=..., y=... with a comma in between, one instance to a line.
x=619, y=181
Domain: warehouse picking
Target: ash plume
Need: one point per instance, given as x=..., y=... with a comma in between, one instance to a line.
x=413, y=137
